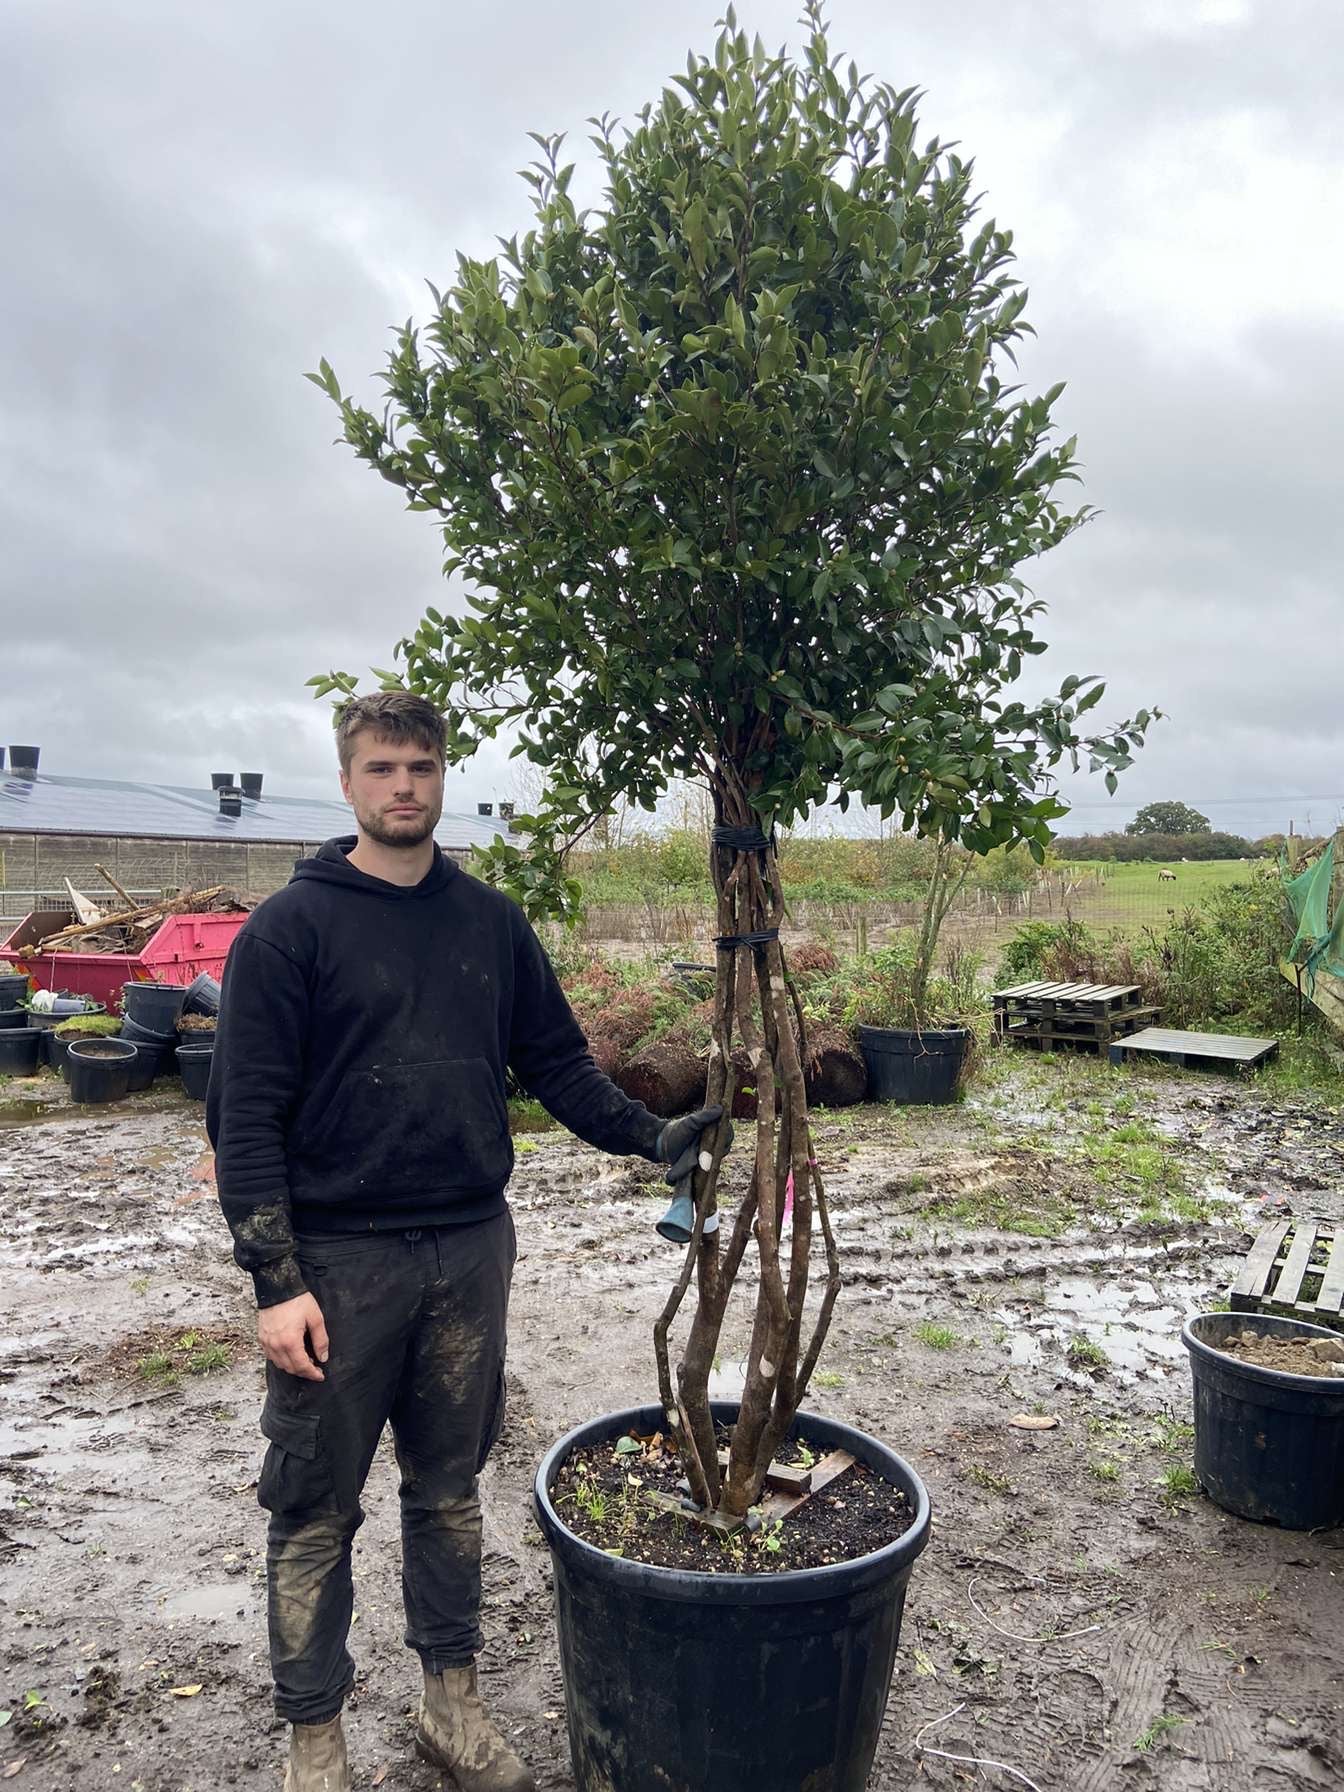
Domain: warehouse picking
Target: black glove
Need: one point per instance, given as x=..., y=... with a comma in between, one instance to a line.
x=679, y=1141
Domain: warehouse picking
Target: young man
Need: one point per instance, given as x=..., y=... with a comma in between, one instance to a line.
x=357, y=1109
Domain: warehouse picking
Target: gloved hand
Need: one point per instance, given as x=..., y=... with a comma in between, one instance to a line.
x=679, y=1142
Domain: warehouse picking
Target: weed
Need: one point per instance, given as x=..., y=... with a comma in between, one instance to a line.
x=1177, y=1481
x=827, y=1378
x=937, y=1337
x=1103, y=1469
x=157, y=1366
x=987, y=1479
x=207, y=1359
x=1171, y=1435
x=140, y=1285
x=524, y=1147
x=1160, y=1727
x=1086, y=1353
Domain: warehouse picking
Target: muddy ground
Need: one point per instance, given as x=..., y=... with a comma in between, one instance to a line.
x=1091, y=1621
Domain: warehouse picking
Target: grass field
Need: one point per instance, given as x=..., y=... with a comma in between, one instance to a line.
x=1133, y=896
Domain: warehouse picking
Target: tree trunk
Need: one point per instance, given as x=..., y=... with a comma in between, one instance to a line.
x=756, y=1009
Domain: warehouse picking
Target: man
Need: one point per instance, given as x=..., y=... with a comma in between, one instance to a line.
x=357, y=1109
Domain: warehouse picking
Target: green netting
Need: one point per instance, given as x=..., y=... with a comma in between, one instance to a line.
x=1318, y=944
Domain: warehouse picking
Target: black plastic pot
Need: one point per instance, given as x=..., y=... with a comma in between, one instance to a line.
x=153, y=1006
x=1268, y=1445
x=64, y=1008
x=194, y=1068
x=684, y=1682
x=918, y=1069
x=19, y=1048
x=13, y=1017
x=150, y=1061
x=203, y=994
x=99, y=1069
x=196, y=1038
x=13, y=989
x=147, y=1036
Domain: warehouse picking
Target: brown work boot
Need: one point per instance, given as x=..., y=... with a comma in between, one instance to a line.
x=456, y=1734
x=317, y=1758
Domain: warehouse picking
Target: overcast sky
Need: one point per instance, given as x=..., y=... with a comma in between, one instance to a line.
x=199, y=201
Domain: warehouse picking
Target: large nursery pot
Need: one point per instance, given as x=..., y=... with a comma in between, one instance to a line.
x=13, y=988
x=1268, y=1445
x=202, y=995
x=918, y=1069
x=153, y=1006
x=19, y=1047
x=689, y=1682
x=13, y=1017
x=98, y=1069
x=193, y=1064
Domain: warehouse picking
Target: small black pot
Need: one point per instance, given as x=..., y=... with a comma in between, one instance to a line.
x=203, y=994
x=153, y=1006
x=1268, y=1445
x=13, y=988
x=19, y=1047
x=687, y=1682
x=196, y=1038
x=194, y=1068
x=13, y=1017
x=98, y=1069
x=150, y=1061
x=917, y=1069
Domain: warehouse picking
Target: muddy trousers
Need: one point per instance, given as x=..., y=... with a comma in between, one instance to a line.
x=416, y=1324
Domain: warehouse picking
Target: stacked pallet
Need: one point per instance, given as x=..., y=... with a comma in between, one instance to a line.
x=1070, y=1016
x=1295, y=1268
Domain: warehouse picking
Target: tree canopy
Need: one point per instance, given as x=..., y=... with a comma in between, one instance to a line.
x=735, y=477
x=1169, y=818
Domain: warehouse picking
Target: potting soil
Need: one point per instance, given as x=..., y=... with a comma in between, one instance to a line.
x=1291, y=1356
x=601, y=1495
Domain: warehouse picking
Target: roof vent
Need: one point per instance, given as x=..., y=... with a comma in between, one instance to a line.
x=251, y=782
x=221, y=780
x=23, y=761
x=485, y=808
x=506, y=811
x=230, y=801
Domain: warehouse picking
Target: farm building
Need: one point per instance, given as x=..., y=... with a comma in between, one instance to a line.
x=153, y=837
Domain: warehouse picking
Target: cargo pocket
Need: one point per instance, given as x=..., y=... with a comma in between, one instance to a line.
x=294, y=1477
x=493, y=1426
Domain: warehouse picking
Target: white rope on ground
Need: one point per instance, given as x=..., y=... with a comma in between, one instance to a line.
x=1016, y=1636
x=967, y=1760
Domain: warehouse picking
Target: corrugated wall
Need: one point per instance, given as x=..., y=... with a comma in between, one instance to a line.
x=38, y=864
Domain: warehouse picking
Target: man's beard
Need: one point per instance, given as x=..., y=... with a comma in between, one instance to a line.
x=398, y=830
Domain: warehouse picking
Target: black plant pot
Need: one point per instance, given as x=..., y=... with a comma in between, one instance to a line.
x=99, y=1069
x=155, y=1007
x=1268, y=1445
x=193, y=1066
x=13, y=1017
x=196, y=1038
x=917, y=1069
x=148, y=1036
x=13, y=989
x=688, y=1682
x=202, y=996
x=19, y=1047
x=148, y=1062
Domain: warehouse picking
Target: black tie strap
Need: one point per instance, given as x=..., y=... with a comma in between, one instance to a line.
x=727, y=942
x=740, y=839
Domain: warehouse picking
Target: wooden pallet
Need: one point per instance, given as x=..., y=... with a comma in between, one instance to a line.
x=1198, y=1051
x=1295, y=1268
x=1069, y=1016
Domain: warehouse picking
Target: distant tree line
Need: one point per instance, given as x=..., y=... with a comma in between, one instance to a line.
x=1126, y=848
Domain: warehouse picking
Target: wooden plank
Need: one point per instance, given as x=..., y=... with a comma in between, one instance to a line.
x=1250, y=1284
x=830, y=1468
x=780, y=1477
x=1286, y=1290
x=1330, y=1299
x=680, y=1508
x=1326, y=993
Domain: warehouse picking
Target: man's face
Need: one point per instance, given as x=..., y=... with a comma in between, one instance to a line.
x=395, y=790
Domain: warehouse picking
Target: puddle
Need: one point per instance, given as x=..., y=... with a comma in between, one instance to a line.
x=223, y=1599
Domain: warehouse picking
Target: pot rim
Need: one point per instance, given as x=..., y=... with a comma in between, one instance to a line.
x=1257, y=1372
x=122, y=1055
x=788, y=1586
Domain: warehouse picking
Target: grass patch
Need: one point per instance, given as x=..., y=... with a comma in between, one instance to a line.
x=986, y=1478
x=937, y=1337
x=1159, y=1728
x=827, y=1378
x=1086, y=1353
x=1177, y=1482
x=1104, y=1470
x=526, y=1115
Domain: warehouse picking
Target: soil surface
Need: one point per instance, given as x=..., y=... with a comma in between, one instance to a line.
x=1293, y=1356
x=1080, y=1614
x=602, y=1495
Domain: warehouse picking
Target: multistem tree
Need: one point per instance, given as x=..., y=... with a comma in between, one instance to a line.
x=738, y=494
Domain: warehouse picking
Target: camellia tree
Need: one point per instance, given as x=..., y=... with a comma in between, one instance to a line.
x=738, y=493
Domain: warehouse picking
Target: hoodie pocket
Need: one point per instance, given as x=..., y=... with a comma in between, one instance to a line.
x=402, y=1128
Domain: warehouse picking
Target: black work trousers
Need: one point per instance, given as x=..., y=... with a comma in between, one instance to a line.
x=416, y=1323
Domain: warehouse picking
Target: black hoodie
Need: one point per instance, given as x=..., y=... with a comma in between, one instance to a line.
x=358, y=1078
